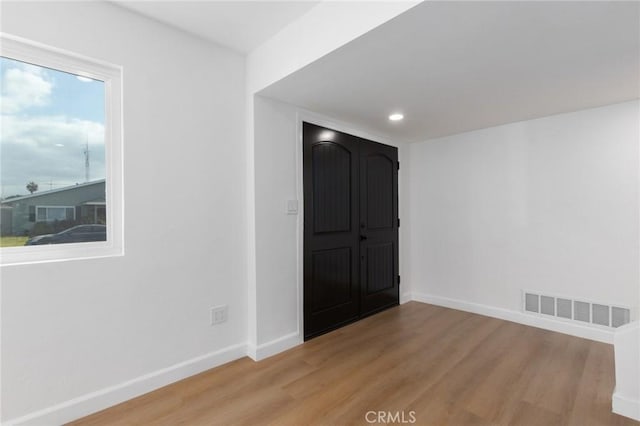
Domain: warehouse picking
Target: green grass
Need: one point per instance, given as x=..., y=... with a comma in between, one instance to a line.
x=12, y=241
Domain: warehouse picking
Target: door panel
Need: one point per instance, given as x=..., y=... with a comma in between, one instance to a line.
x=331, y=165
x=379, y=267
x=331, y=289
x=331, y=276
x=350, y=228
x=378, y=227
x=379, y=191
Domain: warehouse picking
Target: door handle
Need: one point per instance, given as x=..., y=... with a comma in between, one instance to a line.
x=363, y=237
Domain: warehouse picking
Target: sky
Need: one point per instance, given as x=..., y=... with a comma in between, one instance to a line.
x=47, y=118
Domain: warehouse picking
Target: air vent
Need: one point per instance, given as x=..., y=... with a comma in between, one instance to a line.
x=563, y=308
x=620, y=316
x=581, y=311
x=600, y=314
x=531, y=302
x=576, y=310
x=547, y=305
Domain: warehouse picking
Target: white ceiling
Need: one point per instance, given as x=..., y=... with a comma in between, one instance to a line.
x=240, y=25
x=452, y=67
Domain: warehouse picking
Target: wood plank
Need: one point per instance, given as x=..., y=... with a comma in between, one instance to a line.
x=448, y=367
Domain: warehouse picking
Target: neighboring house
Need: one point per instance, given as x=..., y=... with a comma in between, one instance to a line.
x=80, y=203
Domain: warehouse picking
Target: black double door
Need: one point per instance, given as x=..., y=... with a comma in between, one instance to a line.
x=350, y=228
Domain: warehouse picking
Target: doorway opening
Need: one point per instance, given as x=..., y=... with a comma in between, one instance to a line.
x=350, y=228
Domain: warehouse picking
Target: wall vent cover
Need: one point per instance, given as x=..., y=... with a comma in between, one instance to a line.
x=594, y=313
x=563, y=308
x=620, y=316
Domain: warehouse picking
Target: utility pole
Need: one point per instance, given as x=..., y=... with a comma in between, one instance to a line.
x=86, y=160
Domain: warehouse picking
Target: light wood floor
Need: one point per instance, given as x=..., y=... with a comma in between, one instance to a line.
x=447, y=366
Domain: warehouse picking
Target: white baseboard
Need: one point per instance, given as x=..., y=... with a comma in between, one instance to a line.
x=108, y=397
x=625, y=406
x=405, y=297
x=281, y=344
x=99, y=400
x=597, y=334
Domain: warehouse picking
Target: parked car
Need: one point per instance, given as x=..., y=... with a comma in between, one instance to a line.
x=77, y=234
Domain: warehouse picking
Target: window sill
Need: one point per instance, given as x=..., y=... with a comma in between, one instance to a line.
x=13, y=256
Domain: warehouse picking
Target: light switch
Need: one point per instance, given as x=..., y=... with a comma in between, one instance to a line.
x=292, y=206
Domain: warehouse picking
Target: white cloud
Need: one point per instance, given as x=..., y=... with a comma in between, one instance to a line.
x=24, y=87
x=48, y=149
x=46, y=131
x=37, y=145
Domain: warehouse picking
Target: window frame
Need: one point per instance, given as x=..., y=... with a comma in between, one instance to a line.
x=111, y=75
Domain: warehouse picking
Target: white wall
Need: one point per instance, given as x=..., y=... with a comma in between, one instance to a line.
x=326, y=27
x=278, y=178
x=72, y=328
x=276, y=232
x=549, y=205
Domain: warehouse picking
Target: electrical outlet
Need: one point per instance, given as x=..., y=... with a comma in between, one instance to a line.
x=219, y=314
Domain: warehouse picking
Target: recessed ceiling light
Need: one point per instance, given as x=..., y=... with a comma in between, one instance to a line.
x=396, y=117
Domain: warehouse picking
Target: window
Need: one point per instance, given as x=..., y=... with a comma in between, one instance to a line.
x=60, y=154
x=51, y=214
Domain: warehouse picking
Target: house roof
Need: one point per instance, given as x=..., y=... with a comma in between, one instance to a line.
x=52, y=191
